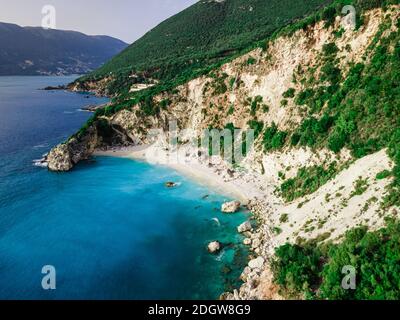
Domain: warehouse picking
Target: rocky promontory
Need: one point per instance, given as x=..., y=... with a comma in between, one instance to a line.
x=65, y=156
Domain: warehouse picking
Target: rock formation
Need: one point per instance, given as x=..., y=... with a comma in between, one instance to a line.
x=214, y=247
x=231, y=207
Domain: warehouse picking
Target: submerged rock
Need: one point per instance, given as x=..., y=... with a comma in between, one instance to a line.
x=214, y=247
x=226, y=269
x=244, y=227
x=231, y=207
x=170, y=184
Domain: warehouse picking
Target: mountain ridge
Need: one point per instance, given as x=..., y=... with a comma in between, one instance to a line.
x=38, y=51
x=201, y=35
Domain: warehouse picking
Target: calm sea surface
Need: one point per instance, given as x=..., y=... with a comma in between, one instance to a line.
x=110, y=228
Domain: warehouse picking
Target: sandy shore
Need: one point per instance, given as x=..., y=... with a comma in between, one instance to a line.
x=240, y=185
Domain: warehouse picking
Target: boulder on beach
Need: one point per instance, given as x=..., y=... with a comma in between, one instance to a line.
x=247, y=242
x=256, y=263
x=244, y=227
x=231, y=207
x=214, y=247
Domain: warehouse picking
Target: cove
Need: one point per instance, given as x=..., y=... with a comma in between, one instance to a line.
x=110, y=228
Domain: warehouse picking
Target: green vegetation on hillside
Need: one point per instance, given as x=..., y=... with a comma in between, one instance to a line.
x=358, y=110
x=307, y=181
x=273, y=138
x=316, y=271
x=121, y=67
x=362, y=113
x=311, y=131
x=202, y=35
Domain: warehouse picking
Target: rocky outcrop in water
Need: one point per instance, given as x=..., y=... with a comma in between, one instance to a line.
x=257, y=276
x=214, y=247
x=245, y=227
x=54, y=88
x=231, y=207
x=64, y=156
x=59, y=158
x=257, y=263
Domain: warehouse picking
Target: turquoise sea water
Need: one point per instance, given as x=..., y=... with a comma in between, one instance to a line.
x=110, y=227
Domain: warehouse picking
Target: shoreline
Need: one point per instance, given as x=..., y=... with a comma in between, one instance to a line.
x=214, y=174
x=245, y=187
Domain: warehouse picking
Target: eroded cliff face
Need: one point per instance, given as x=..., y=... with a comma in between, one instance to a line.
x=65, y=156
x=250, y=88
x=123, y=129
x=59, y=158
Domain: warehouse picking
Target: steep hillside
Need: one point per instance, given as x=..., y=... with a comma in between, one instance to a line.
x=33, y=51
x=322, y=97
x=199, y=36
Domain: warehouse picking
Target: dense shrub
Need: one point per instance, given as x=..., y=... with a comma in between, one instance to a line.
x=251, y=61
x=304, y=96
x=337, y=140
x=315, y=270
x=165, y=103
x=296, y=268
x=257, y=126
x=329, y=49
x=289, y=93
x=273, y=138
x=330, y=73
x=307, y=181
x=383, y=174
x=312, y=130
x=329, y=15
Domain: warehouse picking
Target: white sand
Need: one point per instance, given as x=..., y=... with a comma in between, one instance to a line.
x=241, y=185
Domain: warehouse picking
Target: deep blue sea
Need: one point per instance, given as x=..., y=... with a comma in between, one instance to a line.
x=110, y=227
